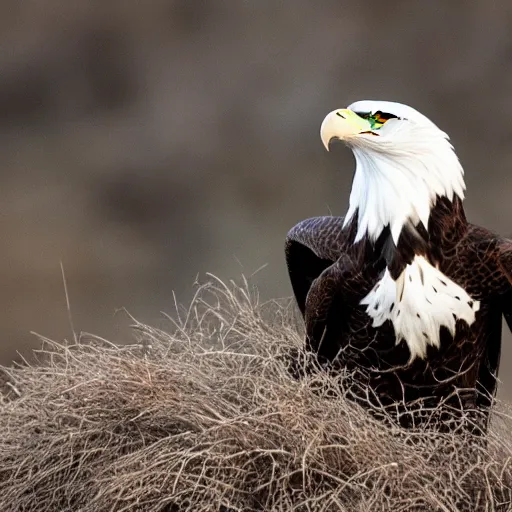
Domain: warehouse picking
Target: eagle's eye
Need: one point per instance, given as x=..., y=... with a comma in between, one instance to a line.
x=376, y=119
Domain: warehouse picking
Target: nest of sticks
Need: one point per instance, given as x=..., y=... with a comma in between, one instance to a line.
x=206, y=417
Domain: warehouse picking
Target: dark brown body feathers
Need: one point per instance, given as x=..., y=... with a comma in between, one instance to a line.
x=330, y=275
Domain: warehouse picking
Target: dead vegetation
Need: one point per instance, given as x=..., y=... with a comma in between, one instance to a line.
x=205, y=417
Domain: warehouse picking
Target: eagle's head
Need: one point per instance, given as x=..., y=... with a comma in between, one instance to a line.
x=403, y=163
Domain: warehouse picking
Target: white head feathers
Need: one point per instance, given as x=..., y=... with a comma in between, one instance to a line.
x=403, y=161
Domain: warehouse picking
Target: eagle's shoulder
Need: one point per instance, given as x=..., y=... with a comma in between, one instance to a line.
x=325, y=236
x=494, y=251
x=485, y=242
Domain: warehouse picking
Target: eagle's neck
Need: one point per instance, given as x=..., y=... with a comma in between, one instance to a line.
x=446, y=227
x=398, y=184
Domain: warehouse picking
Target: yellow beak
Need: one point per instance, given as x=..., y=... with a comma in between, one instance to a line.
x=342, y=124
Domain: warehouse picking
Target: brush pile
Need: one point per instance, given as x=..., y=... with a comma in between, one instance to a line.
x=205, y=417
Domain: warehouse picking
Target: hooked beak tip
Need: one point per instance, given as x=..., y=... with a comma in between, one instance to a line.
x=328, y=142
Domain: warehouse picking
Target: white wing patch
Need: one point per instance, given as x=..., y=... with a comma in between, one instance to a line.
x=418, y=303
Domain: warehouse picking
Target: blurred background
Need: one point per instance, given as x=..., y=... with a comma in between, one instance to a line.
x=145, y=143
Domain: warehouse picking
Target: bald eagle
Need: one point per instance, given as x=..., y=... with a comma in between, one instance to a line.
x=403, y=291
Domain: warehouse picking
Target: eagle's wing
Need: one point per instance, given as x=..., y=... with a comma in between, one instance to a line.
x=505, y=266
x=499, y=281
x=312, y=246
x=320, y=273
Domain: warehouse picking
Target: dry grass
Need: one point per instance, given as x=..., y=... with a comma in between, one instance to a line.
x=206, y=418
